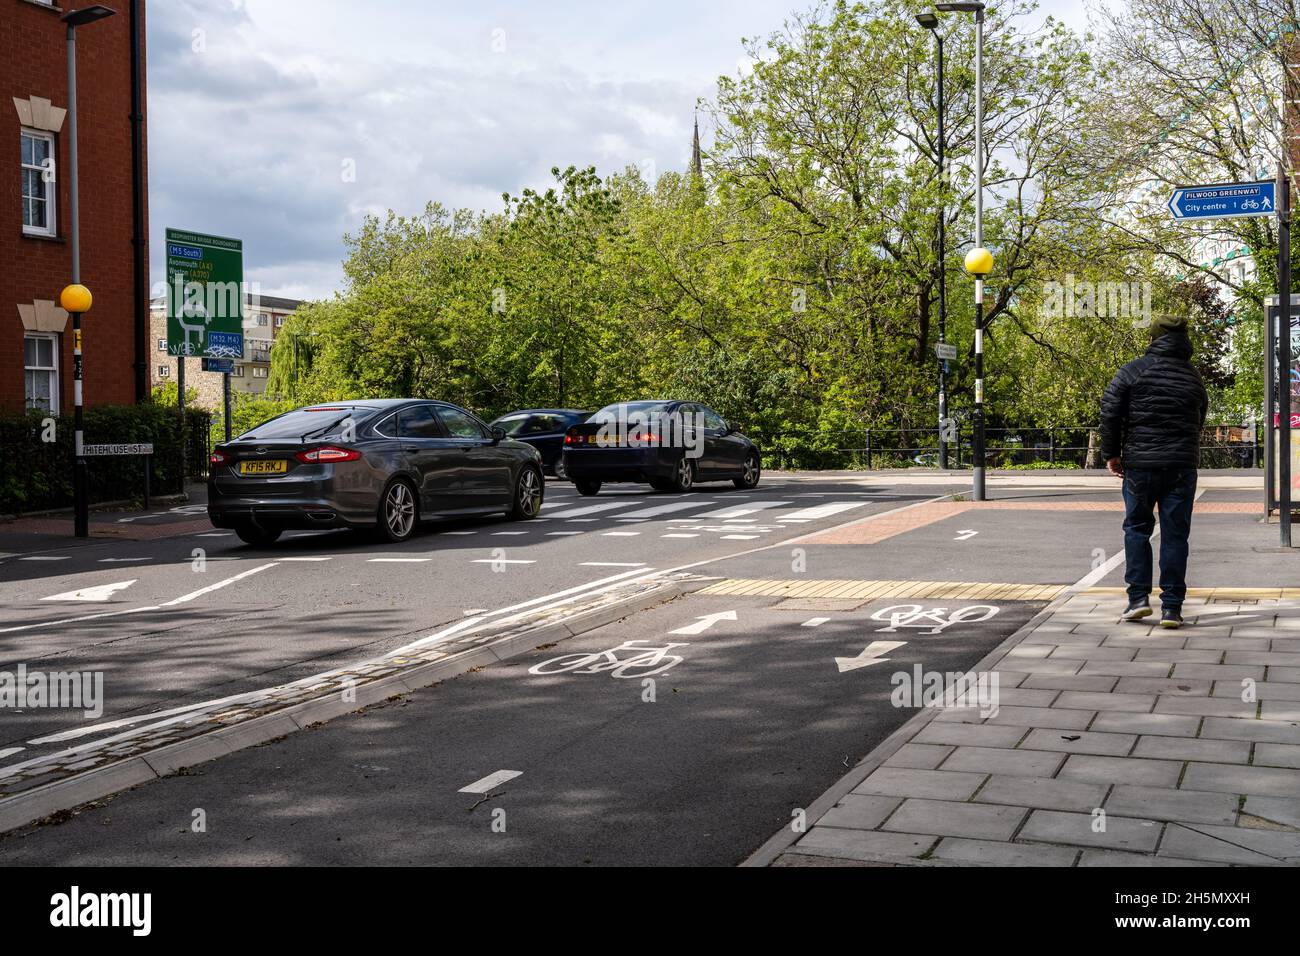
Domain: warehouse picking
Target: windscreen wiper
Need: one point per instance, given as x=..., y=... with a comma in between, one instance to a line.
x=325, y=429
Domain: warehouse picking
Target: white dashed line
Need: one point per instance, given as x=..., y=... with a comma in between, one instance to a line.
x=814, y=622
x=398, y=560
x=501, y=561
x=46, y=557
x=612, y=564
x=679, y=536
x=739, y=537
x=562, y=534
x=185, y=598
x=619, y=534
x=491, y=781
x=330, y=558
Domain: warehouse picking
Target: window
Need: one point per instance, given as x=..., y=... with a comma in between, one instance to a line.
x=37, y=192
x=162, y=345
x=712, y=419
x=41, y=369
x=259, y=371
x=164, y=371
x=461, y=424
x=417, y=422
x=261, y=318
x=279, y=321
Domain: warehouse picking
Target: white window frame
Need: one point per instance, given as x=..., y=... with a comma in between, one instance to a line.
x=259, y=371
x=52, y=337
x=51, y=188
x=164, y=371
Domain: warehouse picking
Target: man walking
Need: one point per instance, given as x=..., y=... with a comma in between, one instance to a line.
x=1151, y=420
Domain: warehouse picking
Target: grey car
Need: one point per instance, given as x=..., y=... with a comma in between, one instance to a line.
x=384, y=464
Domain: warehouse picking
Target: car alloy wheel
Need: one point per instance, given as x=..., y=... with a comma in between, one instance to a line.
x=528, y=494
x=399, y=511
x=750, y=474
x=683, y=474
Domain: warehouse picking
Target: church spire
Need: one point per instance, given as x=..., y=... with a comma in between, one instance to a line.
x=697, y=166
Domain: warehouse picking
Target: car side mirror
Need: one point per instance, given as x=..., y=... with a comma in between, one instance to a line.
x=730, y=427
x=498, y=435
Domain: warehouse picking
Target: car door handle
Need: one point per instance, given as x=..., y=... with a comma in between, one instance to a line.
x=410, y=448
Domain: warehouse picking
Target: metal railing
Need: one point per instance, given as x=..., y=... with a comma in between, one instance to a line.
x=1064, y=446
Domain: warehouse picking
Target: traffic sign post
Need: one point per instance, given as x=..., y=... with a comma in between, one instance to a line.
x=1264, y=198
x=1224, y=201
x=205, y=308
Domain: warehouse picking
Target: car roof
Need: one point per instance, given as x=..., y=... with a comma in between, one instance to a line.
x=378, y=404
x=545, y=411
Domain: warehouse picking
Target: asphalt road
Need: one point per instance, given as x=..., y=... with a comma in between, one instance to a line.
x=743, y=724
x=692, y=754
x=203, y=616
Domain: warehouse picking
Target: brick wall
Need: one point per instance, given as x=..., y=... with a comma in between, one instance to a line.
x=33, y=63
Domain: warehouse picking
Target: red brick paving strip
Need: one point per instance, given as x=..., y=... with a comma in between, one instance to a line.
x=875, y=529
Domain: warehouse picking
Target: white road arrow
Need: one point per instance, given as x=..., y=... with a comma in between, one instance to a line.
x=869, y=655
x=100, y=592
x=705, y=622
x=963, y=535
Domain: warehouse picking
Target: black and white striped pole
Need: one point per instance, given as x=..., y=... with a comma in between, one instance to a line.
x=76, y=300
x=979, y=263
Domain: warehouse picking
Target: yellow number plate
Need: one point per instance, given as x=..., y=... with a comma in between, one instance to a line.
x=276, y=466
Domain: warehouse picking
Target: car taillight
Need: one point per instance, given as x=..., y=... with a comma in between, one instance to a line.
x=650, y=438
x=327, y=453
x=571, y=439
x=218, y=458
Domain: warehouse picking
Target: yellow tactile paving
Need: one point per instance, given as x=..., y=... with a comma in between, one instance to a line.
x=871, y=590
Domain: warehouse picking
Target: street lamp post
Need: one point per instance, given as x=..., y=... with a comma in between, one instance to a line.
x=931, y=23
x=979, y=256
x=76, y=299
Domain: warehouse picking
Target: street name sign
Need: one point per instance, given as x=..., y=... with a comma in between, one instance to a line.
x=945, y=350
x=223, y=365
x=1224, y=200
x=138, y=448
x=205, y=295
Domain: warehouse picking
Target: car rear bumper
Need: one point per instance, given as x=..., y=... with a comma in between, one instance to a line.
x=621, y=464
x=307, y=509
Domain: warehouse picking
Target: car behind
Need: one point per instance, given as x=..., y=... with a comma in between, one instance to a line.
x=670, y=445
x=544, y=429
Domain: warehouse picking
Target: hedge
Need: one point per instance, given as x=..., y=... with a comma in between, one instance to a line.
x=36, y=472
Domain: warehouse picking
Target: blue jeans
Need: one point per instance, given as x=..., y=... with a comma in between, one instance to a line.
x=1173, y=489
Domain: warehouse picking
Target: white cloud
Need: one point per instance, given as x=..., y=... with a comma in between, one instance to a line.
x=256, y=109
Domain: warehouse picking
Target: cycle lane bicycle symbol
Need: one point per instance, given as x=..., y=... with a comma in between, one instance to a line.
x=645, y=661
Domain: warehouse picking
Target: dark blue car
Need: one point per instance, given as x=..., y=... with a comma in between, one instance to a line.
x=544, y=429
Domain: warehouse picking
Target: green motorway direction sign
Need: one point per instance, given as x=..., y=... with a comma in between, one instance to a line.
x=205, y=295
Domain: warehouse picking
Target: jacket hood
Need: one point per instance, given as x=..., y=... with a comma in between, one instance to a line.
x=1172, y=345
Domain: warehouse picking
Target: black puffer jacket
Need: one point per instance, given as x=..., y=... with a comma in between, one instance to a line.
x=1154, y=408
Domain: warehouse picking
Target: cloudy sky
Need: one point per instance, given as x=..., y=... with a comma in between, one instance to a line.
x=283, y=122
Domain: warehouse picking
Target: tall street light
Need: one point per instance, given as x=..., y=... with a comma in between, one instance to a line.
x=76, y=298
x=931, y=23
x=979, y=261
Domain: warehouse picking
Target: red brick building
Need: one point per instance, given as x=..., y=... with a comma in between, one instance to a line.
x=35, y=253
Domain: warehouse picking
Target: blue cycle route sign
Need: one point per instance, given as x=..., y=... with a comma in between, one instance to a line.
x=1224, y=200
